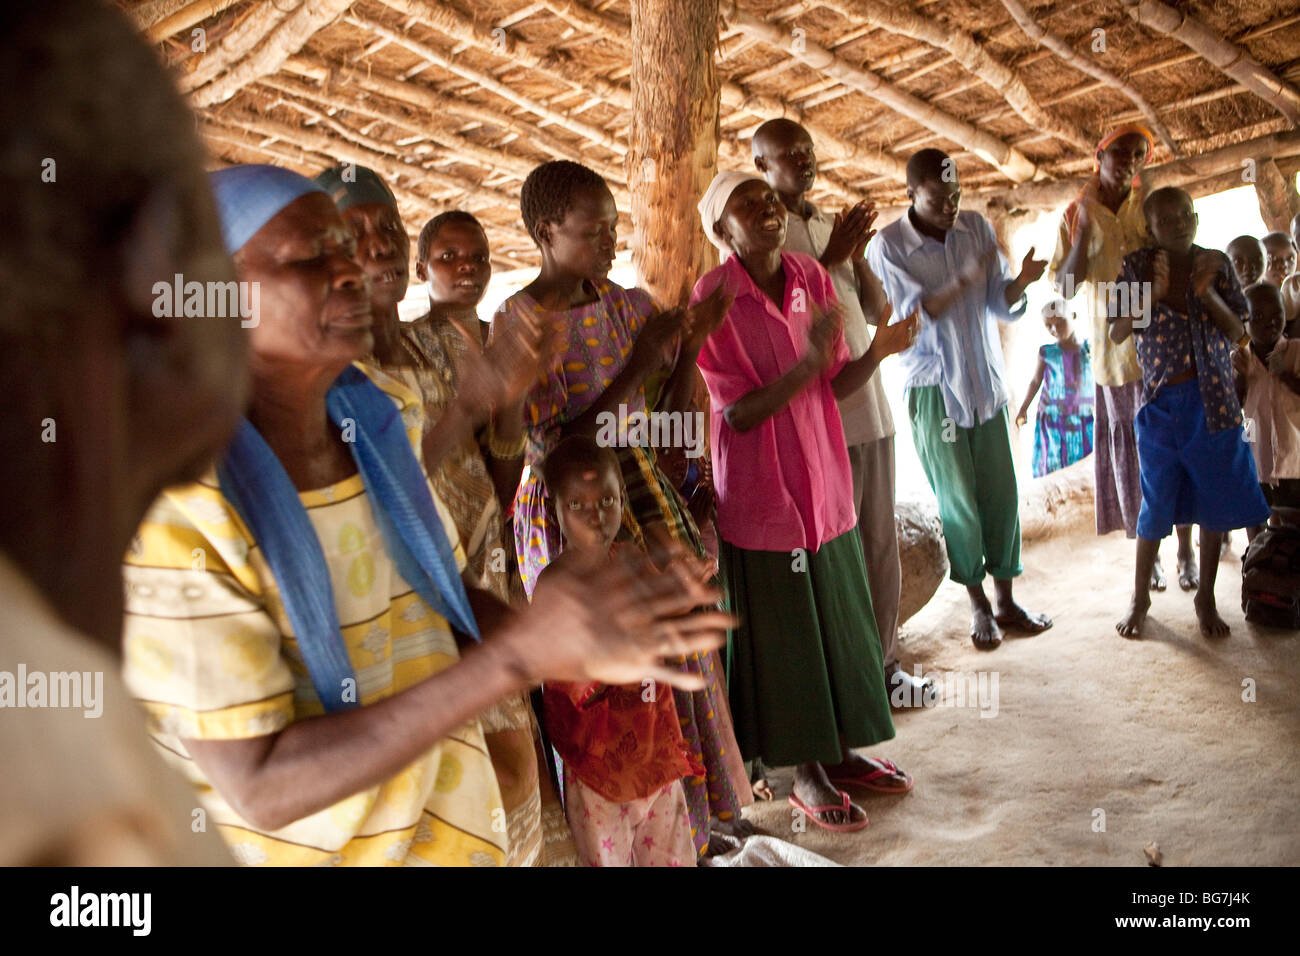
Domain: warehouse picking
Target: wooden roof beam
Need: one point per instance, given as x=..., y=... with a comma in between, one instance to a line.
x=352, y=151
x=290, y=36
x=257, y=24
x=1227, y=160
x=448, y=21
x=427, y=99
x=1229, y=58
x=738, y=97
x=1086, y=64
x=458, y=149
x=492, y=84
x=1011, y=162
x=423, y=207
x=185, y=16
x=973, y=56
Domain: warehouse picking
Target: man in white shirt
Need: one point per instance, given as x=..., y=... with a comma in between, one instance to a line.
x=946, y=264
x=784, y=155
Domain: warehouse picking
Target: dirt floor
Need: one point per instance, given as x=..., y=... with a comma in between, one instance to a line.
x=1097, y=745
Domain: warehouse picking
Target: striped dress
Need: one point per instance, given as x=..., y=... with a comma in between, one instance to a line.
x=598, y=341
x=210, y=655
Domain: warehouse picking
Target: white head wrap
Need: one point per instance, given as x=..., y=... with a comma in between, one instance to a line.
x=715, y=200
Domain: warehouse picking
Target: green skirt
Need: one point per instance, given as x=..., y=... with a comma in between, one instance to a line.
x=804, y=666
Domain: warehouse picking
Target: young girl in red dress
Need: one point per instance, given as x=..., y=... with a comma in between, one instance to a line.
x=622, y=746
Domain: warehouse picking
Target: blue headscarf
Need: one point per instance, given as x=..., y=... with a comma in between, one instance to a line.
x=254, y=481
x=248, y=196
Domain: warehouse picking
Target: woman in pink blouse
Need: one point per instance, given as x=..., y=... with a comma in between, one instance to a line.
x=804, y=669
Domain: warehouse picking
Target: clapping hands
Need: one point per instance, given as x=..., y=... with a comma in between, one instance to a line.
x=850, y=234
x=892, y=339
x=822, y=333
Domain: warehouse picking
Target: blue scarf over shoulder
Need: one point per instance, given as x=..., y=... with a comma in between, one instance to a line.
x=258, y=487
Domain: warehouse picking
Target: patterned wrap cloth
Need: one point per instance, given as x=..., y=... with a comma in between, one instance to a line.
x=598, y=340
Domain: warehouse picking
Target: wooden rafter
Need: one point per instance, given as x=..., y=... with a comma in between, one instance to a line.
x=1086, y=64
x=972, y=55
x=255, y=26
x=349, y=150
x=1221, y=53
x=280, y=44
x=308, y=161
x=185, y=17
x=1227, y=160
x=426, y=99
x=448, y=21
x=1276, y=194
x=492, y=84
x=455, y=147
x=1010, y=161
x=737, y=97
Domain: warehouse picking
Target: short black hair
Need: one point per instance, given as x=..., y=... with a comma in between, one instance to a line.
x=434, y=226
x=927, y=165
x=1278, y=236
x=1160, y=195
x=572, y=455
x=1261, y=288
x=549, y=192
x=782, y=125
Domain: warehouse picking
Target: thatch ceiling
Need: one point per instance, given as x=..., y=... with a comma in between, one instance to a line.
x=455, y=102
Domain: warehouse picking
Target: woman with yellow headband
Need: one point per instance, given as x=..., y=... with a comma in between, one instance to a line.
x=1104, y=224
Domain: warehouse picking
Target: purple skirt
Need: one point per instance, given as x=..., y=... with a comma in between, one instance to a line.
x=1115, y=458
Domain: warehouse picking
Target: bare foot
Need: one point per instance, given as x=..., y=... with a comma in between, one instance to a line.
x=1158, y=582
x=812, y=787
x=737, y=827
x=1015, y=618
x=984, y=629
x=1208, y=614
x=1188, y=572
x=1131, y=625
x=718, y=844
x=761, y=790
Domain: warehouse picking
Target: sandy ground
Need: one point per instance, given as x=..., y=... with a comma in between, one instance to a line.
x=1149, y=739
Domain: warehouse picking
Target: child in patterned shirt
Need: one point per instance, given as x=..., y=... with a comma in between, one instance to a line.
x=1195, y=464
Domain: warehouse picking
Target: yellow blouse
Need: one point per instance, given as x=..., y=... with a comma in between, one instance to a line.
x=1111, y=236
x=211, y=655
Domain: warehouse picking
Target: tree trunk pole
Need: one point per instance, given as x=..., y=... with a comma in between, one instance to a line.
x=1277, y=197
x=674, y=142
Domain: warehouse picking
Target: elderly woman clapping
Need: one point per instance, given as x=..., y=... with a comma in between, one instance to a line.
x=293, y=617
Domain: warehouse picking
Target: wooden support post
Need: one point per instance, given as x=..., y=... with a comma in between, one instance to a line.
x=1276, y=193
x=674, y=141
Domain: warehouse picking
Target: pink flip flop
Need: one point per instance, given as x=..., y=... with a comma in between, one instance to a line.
x=811, y=814
x=868, y=780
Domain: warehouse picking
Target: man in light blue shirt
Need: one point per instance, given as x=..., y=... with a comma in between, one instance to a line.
x=945, y=264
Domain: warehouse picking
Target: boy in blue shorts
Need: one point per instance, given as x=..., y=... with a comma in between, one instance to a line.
x=1186, y=309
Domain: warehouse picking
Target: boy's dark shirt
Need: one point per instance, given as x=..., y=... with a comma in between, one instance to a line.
x=1164, y=347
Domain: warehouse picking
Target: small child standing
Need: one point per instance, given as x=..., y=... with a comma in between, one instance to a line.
x=1268, y=387
x=1063, y=429
x=1246, y=253
x=1194, y=464
x=623, y=750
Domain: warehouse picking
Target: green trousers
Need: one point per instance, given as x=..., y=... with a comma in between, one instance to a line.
x=973, y=475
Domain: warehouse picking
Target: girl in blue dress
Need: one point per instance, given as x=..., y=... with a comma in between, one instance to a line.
x=1063, y=432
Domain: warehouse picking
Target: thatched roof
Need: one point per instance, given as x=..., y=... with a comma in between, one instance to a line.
x=455, y=101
